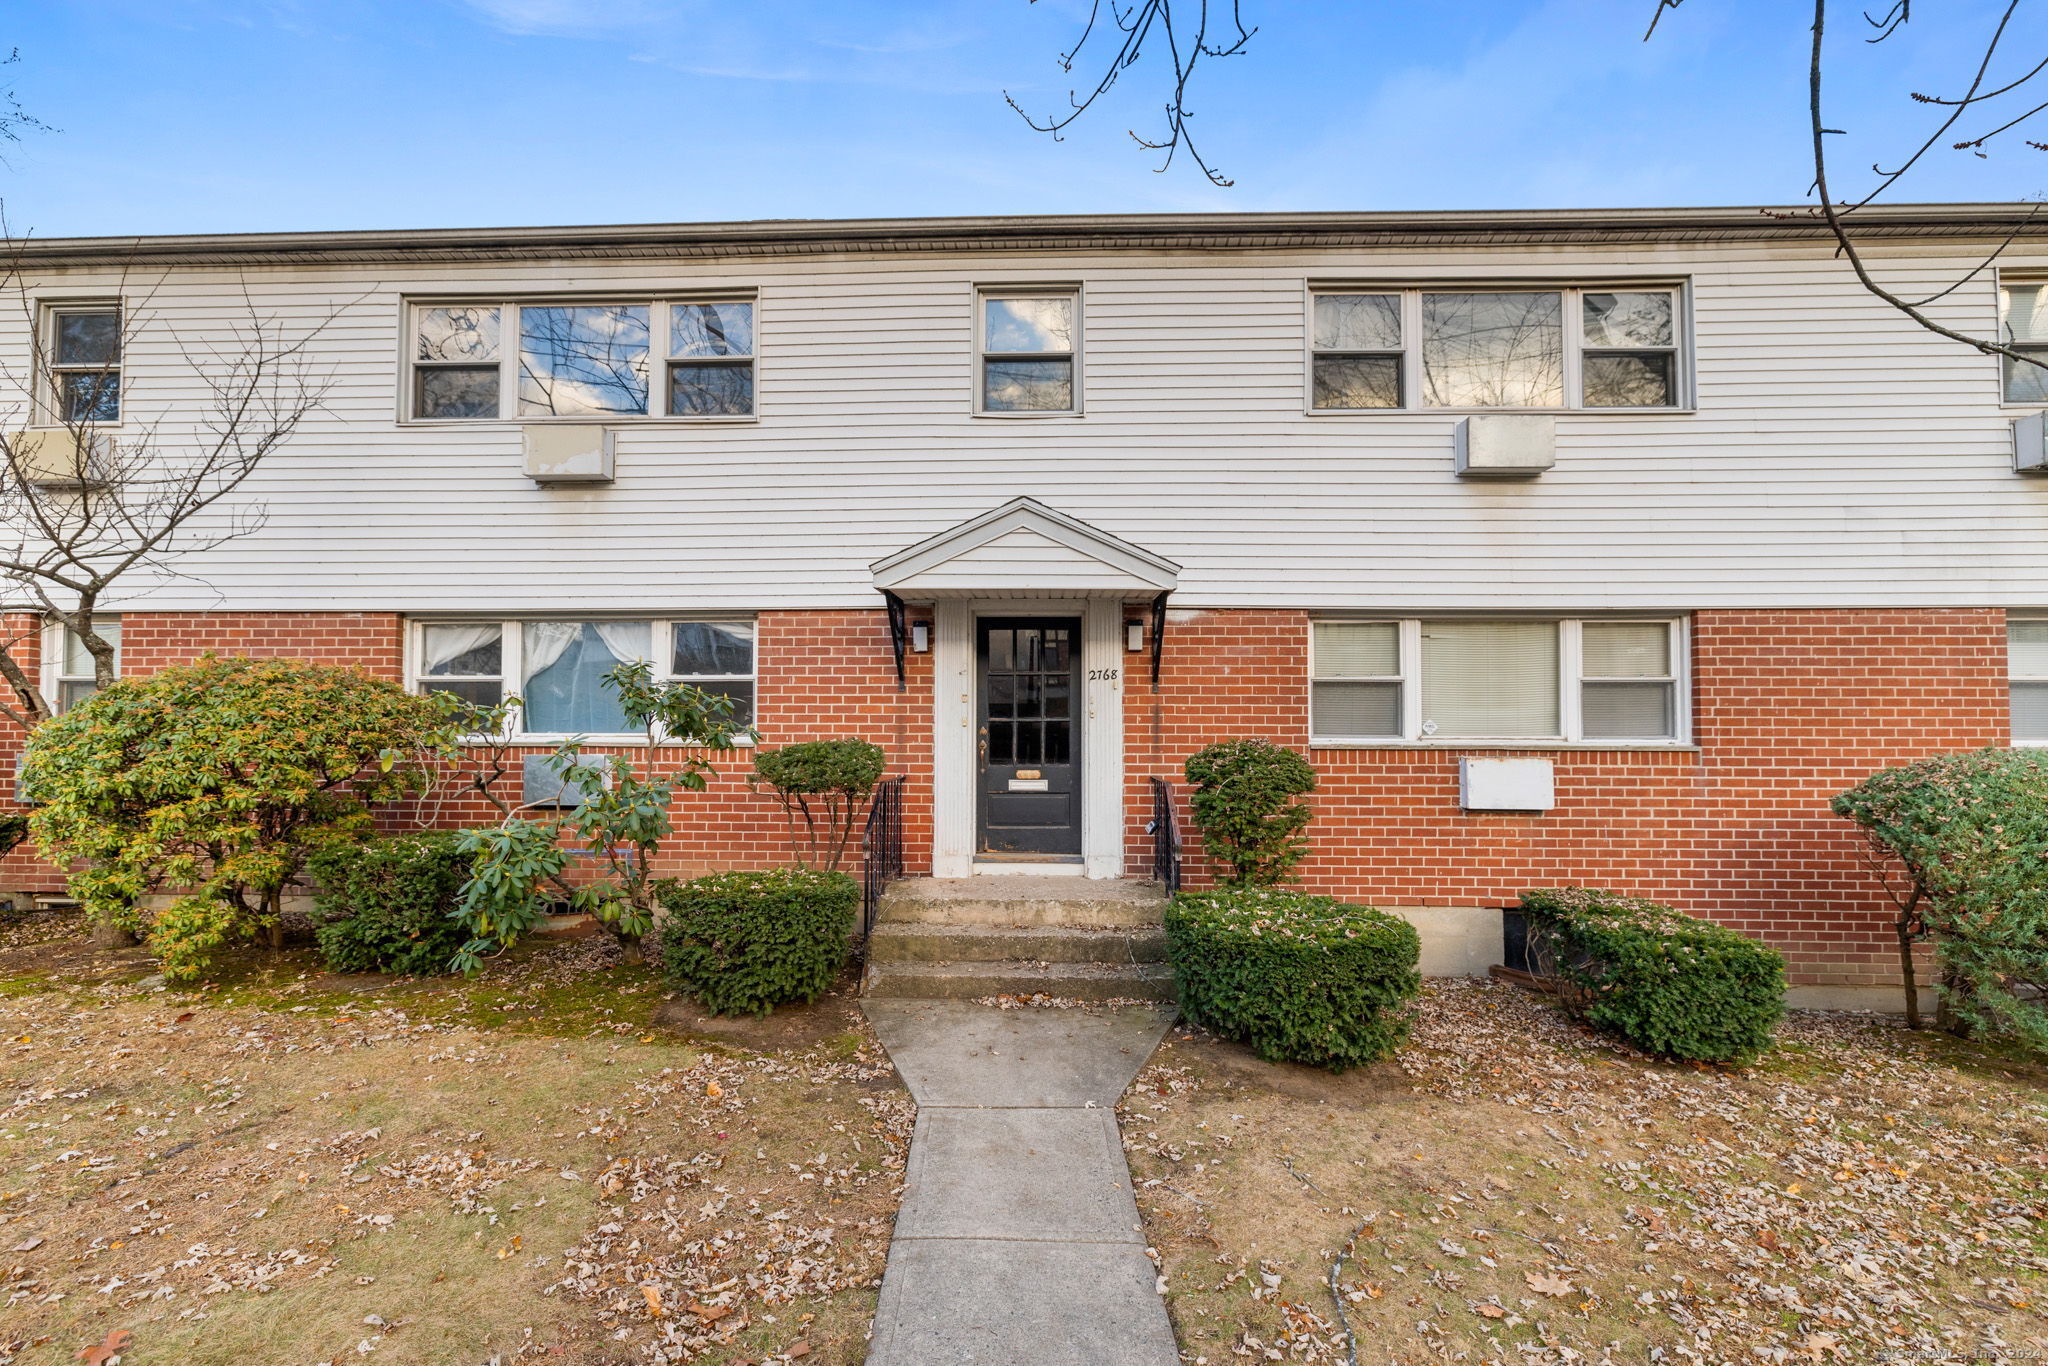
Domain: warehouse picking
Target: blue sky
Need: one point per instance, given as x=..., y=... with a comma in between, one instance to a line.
x=208, y=116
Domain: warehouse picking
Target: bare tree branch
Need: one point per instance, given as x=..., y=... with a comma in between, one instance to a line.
x=87, y=503
x=1138, y=22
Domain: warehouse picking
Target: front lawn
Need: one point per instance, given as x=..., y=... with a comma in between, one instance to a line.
x=292, y=1166
x=1512, y=1188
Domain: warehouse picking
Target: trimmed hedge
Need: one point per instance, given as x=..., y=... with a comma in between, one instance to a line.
x=745, y=943
x=387, y=905
x=1300, y=978
x=1669, y=983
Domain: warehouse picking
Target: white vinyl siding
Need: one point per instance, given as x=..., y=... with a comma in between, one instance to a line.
x=2027, y=661
x=1591, y=347
x=1837, y=458
x=1461, y=680
x=588, y=360
x=555, y=668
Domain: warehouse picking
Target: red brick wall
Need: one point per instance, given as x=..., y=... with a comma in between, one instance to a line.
x=1790, y=707
x=822, y=675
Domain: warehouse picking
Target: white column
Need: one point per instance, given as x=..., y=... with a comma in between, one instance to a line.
x=953, y=765
x=1102, y=738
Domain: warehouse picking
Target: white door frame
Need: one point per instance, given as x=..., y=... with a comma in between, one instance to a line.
x=954, y=759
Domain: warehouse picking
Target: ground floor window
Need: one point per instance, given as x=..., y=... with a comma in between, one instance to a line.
x=556, y=668
x=1457, y=679
x=2027, y=665
x=74, y=678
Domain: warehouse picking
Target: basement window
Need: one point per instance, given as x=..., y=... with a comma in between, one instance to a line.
x=555, y=669
x=74, y=677
x=2027, y=666
x=1461, y=681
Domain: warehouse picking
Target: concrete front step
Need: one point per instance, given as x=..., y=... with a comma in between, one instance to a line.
x=912, y=942
x=1021, y=899
x=969, y=981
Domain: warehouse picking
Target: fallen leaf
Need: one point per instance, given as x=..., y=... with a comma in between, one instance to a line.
x=800, y=1349
x=116, y=1343
x=709, y=1313
x=1491, y=1311
x=1547, y=1284
x=713, y=1090
x=653, y=1295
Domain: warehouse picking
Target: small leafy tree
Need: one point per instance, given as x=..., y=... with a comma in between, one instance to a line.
x=217, y=780
x=623, y=818
x=1960, y=844
x=823, y=783
x=1244, y=802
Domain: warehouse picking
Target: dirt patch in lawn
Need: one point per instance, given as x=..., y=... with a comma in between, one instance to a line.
x=291, y=1166
x=1514, y=1188
x=834, y=1016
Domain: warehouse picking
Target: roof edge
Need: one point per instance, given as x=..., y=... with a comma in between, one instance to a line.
x=1207, y=231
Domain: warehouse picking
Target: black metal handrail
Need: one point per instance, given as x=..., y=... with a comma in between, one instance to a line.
x=1164, y=828
x=881, y=850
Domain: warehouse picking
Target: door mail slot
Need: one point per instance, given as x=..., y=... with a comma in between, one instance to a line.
x=1030, y=785
x=1029, y=773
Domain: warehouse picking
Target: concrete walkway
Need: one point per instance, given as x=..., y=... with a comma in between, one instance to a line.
x=1019, y=1239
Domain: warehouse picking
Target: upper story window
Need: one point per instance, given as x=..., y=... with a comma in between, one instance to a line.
x=2027, y=664
x=678, y=359
x=1495, y=348
x=1458, y=681
x=557, y=668
x=1030, y=351
x=74, y=677
x=2023, y=326
x=85, y=362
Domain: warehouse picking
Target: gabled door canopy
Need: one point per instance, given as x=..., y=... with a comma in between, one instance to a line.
x=1024, y=549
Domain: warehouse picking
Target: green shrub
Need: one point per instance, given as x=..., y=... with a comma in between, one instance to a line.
x=1970, y=834
x=823, y=783
x=745, y=943
x=388, y=905
x=215, y=781
x=1669, y=983
x=1300, y=978
x=1244, y=803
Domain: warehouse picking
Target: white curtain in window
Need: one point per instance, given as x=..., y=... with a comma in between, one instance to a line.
x=566, y=662
x=441, y=644
x=1492, y=679
x=626, y=640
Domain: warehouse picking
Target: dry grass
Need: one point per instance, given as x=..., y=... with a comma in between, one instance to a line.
x=1513, y=1189
x=293, y=1167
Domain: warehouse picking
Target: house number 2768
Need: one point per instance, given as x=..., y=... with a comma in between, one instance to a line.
x=1101, y=675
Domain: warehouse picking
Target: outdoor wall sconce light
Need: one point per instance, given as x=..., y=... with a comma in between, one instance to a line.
x=1134, y=635
x=920, y=637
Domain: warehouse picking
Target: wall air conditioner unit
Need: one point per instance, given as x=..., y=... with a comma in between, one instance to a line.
x=568, y=453
x=62, y=458
x=2030, y=444
x=1505, y=445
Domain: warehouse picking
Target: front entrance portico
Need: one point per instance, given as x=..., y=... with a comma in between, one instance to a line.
x=1041, y=571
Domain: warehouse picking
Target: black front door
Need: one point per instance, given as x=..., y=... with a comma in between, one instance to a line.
x=1029, y=704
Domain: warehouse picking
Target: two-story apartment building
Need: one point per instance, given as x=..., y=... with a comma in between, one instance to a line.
x=1657, y=503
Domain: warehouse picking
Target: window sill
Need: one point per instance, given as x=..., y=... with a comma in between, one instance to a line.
x=1030, y=417
x=634, y=740
x=1470, y=412
x=626, y=421
x=1561, y=746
